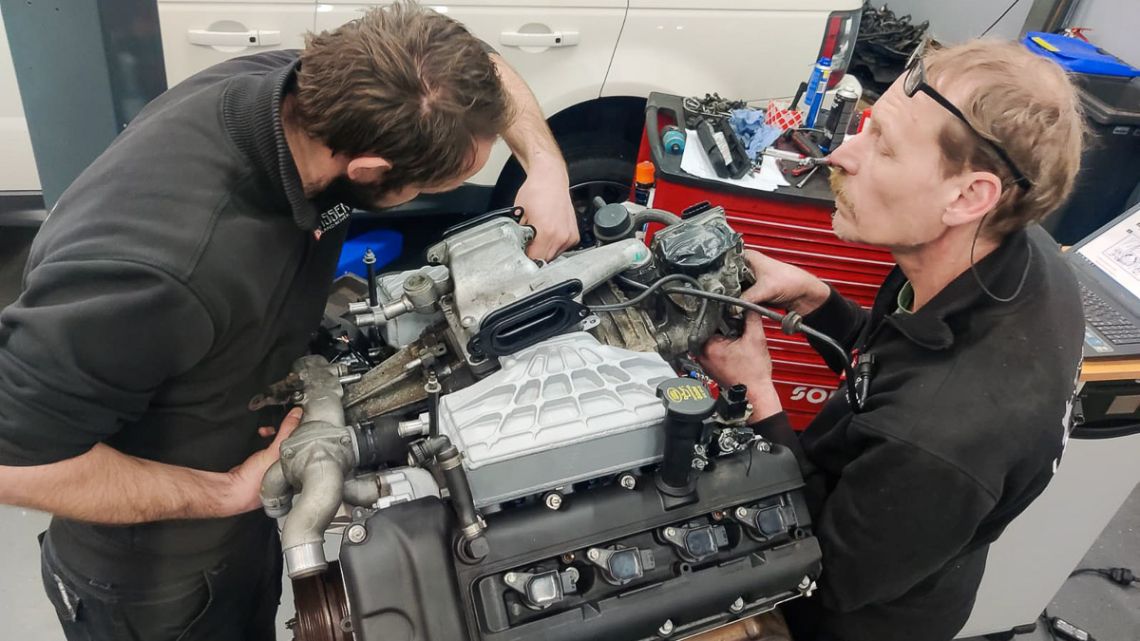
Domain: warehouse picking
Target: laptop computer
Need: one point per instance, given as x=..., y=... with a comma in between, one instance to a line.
x=1107, y=265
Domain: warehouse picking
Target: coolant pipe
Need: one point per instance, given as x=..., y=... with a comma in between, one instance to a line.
x=457, y=485
x=276, y=493
x=322, y=482
x=423, y=452
x=450, y=464
x=378, y=442
x=474, y=546
x=306, y=485
x=654, y=216
x=363, y=491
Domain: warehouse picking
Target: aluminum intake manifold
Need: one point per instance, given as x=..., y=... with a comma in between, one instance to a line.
x=492, y=274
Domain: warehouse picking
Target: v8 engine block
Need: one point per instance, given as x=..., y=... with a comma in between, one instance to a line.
x=518, y=457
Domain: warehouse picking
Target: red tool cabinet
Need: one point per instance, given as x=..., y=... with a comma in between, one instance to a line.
x=789, y=224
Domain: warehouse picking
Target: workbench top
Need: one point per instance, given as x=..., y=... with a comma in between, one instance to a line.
x=1110, y=369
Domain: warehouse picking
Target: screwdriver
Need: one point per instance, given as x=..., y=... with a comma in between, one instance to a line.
x=798, y=159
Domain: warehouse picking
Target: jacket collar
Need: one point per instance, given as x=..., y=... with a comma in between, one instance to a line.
x=251, y=111
x=931, y=326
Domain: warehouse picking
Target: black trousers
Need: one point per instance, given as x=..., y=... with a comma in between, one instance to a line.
x=235, y=600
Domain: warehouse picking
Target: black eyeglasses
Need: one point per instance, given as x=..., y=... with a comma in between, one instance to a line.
x=915, y=81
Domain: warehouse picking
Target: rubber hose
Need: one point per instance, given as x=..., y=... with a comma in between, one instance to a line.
x=655, y=216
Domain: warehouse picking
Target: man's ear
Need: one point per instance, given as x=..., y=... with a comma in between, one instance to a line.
x=978, y=194
x=367, y=169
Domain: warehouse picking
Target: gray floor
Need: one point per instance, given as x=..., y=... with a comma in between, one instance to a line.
x=1108, y=612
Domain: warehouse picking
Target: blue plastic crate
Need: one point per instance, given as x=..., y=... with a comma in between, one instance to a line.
x=384, y=243
x=1077, y=55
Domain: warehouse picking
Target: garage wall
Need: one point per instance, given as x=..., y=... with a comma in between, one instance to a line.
x=961, y=20
x=1114, y=22
x=17, y=171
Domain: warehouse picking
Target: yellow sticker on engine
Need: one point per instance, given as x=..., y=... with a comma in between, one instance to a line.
x=687, y=393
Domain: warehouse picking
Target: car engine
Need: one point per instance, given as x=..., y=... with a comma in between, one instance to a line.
x=523, y=451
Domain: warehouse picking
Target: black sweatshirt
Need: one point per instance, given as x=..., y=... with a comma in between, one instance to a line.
x=966, y=420
x=177, y=277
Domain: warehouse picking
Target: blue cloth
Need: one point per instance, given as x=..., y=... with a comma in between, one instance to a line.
x=756, y=136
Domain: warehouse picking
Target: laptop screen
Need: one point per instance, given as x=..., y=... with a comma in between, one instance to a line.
x=1116, y=252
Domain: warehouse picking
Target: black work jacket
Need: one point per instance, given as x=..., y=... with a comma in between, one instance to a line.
x=178, y=276
x=965, y=423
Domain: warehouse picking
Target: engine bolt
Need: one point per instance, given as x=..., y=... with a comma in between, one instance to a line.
x=666, y=628
x=717, y=515
x=467, y=321
x=568, y=558
x=357, y=533
x=298, y=397
x=553, y=500
x=737, y=605
x=346, y=441
x=670, y=531
x=628, y=481
x=509, y=577
x=287, y=453
x=593, y=555
x=742, y=513
x=805, y=583
x=763, y=446
x=699, y=464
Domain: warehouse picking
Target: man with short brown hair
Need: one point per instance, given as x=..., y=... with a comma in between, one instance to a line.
x=970, y=352
x=183, y=272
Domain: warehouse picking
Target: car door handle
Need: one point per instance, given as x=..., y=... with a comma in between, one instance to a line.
x=554, y=39
x=255, y=38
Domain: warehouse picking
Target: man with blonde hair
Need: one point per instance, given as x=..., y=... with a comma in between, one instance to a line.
x=972, y=346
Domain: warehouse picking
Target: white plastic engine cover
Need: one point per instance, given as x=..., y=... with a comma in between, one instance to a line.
x=566, y=410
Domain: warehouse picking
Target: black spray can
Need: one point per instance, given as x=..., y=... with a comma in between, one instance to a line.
x=839, y=118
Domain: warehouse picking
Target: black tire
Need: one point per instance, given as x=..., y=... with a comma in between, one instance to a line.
x=595, y=167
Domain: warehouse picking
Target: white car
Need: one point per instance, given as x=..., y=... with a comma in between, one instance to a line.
x=591, y=63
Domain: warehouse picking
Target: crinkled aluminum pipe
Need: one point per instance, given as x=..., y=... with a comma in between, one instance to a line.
x=316, y=459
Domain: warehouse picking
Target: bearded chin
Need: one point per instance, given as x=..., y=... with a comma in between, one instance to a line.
x=837, y=227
